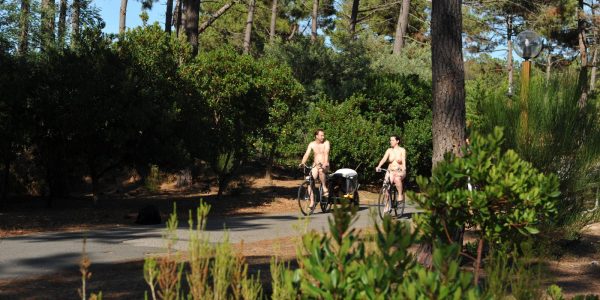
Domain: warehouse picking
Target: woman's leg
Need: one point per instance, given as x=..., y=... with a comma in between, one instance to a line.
x=398, y=177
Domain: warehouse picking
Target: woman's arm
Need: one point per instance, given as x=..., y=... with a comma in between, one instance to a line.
x=384, y=159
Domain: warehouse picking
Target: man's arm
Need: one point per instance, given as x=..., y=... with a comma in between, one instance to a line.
x=383, y=160
x=305, y=157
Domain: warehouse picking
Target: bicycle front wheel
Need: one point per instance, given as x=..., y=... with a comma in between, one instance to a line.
x=382, y=200
x=304, y=199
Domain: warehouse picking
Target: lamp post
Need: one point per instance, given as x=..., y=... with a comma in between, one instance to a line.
x=528, y=45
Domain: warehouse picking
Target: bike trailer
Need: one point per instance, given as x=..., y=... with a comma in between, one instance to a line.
x=344, y=183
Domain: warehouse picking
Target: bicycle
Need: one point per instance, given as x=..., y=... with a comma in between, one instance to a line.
x=304, y=192
x=387, y=193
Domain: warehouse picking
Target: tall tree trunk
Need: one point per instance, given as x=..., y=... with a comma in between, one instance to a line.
x=122, y=16
x=75, y=11
x=177, y=19
x=594, y=56
x=354, y=17
x=449, y=116
x=24, y=30
x=249, y=22
x=215, y=16
x=593, y=76
x=401, y=27
x=315, y=17
x=47, y=24
x=169, y=16
x=509, y=55
x=192, y=15
x=449, y=121
x=62, y=23
x=273, y=21
x=583, y=72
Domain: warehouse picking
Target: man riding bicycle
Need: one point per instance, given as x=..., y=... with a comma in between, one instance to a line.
x=320, y=165
x=396, y=156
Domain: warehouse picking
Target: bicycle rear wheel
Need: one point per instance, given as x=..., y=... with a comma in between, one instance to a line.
x=401, y=204
x=304, y=199
x=323, y=201
x=394, y=202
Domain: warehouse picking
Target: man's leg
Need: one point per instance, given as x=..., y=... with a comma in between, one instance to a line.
x=323, y=179
x=314, y=174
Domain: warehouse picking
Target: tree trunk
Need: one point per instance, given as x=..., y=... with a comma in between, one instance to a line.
x=583, y=73
x=122, y=16
x=593, y=76
x=169, y=16
x=24, y=30
x=354, y=18
x=449, y=116
x=192, y=15
x=449, y=121
x=5, y=181
x=47, y=24
x=401, y=27
x=95, y=188
x=269, y=169
x=215, y=16
x=293, y=33
x=594, y=58
x=315, y=17
x=177, y=17
x=76, y=8
x=249, y=22
x=273, y=22
x=509, y=57
x=62, y=23
x=223, y=177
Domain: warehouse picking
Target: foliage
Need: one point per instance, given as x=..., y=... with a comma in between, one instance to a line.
x=238, y=99
x=444, y=281
x=512, y=270
x=215, y=271
x=354, y=139
x=561, y=138
x=509, y=197
x=339, y=266
x=322, y=70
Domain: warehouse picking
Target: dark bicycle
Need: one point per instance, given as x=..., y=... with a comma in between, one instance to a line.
x=311, y=186
x=388, y=198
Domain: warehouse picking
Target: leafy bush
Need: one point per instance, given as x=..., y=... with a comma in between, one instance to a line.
x=560, y=138
x=509, y=197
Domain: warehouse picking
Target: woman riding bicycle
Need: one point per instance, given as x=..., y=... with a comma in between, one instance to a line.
x=396, y=157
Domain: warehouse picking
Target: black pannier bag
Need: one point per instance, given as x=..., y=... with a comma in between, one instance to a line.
x=344, y=183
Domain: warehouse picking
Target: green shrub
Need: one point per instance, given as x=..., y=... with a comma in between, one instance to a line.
x=561, y=138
